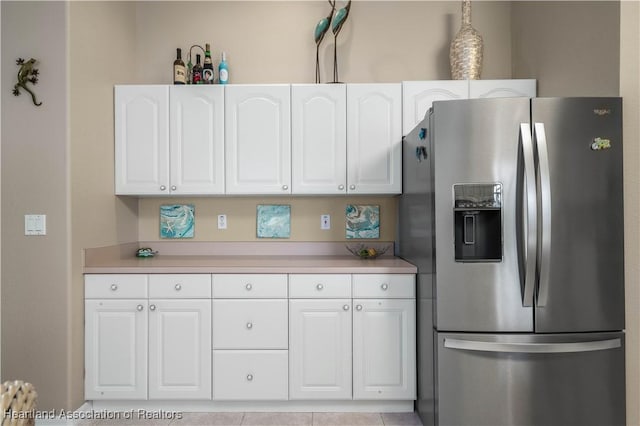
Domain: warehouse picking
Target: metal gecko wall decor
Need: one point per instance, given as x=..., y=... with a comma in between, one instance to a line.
x=26, y=74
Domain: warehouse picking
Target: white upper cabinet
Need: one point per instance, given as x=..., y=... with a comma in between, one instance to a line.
x=374, y=137
x=197, y=139
x=258, y=139
x=142, y=140
x=418, y=96
x=169, y=140
x=319, y=139
x=502, y=88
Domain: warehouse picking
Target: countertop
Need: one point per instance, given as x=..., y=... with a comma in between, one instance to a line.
x=284, y=258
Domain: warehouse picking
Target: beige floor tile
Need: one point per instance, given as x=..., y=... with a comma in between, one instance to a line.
x=347, y=419
x=277, y=419
x=401, y=419
x=209, y=419
x=131, y=419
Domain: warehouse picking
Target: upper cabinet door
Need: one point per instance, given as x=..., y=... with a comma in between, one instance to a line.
x=502, y=88
x=258, y=139
x=142, y=140
x=319, y=139
x=374, y=138
x=418, y=96
x=197, y=139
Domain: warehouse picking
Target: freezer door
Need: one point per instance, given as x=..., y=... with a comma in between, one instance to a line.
x=530, y=379
x=581, y=227
x=475, y=147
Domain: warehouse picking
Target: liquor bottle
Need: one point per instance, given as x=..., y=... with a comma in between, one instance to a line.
x=179, y=71
x=223, y=70
x=196, y=73
x=207, y=68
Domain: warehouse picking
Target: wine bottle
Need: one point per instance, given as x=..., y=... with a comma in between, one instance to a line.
x=196, y=73
x=179, y=71
x=207, y=68
x=223, y=70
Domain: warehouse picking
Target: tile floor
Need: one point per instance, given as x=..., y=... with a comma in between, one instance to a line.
x=274, y=419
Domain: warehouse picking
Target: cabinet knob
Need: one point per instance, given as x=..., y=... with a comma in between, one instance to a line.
x=319, y=286
x=114, y=287
x=178, y=287
x=249, y=377
x=152, y=307
x=248, y=286
x=173, y=187
x=358, y=307
x=285, y=187
x=139, y=307
x=163, y=188
x=249, y=326
x=345, y=307
x=352, y=187
x=384, y=286
x=341, y=187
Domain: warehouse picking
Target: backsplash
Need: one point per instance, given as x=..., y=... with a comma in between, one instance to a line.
x=241, y=217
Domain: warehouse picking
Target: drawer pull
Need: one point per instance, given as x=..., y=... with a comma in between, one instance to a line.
x=319, y=287
x=358, y=307
x=114, y=287
x=248, y=286
x=178, y=287
x=152, y=307
x=384, y=286
x=345, y=307
x=249, y=326
x=139, y=307
x=249, y=377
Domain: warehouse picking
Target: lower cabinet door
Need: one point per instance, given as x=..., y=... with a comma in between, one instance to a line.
x=384, y=349
x=180, y=349
x=250, y=375
x=115, y=349
x=320, y=349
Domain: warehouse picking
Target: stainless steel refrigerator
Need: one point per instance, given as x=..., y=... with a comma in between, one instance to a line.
x=513, y=212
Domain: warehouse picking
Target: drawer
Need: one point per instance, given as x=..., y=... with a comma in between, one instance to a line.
x=324, y=286
x=395, y=286
x=180, y=286
x=234, y=286
x=115, y=286
x=250, y=324
x=250, y=375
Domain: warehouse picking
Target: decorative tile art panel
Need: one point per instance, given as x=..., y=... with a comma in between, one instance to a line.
x=274, y=221
x=363, y=221
x=177, y=221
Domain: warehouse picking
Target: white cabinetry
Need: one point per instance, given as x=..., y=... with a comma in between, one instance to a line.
x=319, y=139
x=320, y=337
x=418, y=96
x=141, y=348
x=374, y=138
x=169, y=140
x=258, y=139
x=384, y=337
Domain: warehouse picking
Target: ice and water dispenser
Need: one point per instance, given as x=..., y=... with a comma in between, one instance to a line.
x=478, y=222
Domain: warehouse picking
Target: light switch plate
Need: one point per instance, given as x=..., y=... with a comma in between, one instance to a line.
x=325, y=221
x=35, y=224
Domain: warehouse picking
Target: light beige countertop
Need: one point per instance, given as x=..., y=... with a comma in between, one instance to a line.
x=224, y=258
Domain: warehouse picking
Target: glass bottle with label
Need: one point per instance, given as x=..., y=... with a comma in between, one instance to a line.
x=223, y=70
x=196, y=74
x=207, y=68
x=179, y=71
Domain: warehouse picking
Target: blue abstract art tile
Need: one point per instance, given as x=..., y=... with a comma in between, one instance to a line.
x=363, y=221
x=273, y=221
x=177, y=221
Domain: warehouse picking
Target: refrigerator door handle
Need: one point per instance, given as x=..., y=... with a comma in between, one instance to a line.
x=531, y=348
x=532, y=213
x=545, y=208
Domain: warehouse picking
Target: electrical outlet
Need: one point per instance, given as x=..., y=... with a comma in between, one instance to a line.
x=325, y=221
x=222, y=221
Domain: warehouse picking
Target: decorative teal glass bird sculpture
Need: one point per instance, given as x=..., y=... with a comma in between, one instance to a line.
x=321, y=29
x=339, y=19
